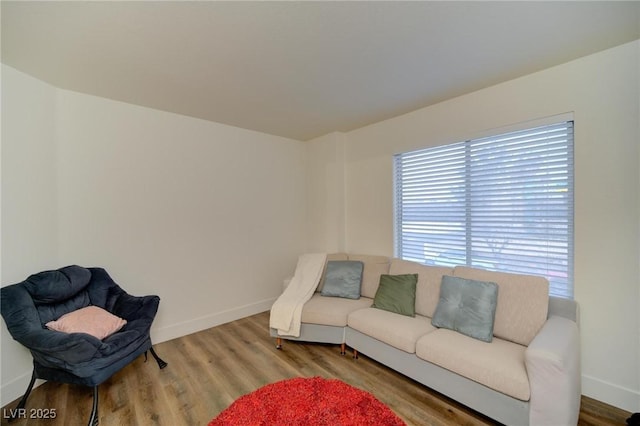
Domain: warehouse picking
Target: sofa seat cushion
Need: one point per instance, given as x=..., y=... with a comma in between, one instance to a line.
x=498, y=365
x=331, y=310
x=400, y=331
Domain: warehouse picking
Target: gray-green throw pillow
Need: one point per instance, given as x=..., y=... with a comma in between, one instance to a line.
x=343, y=278
x=467, y=306
x=397, y=293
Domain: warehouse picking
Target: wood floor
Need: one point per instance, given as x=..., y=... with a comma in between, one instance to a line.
x=208, y=370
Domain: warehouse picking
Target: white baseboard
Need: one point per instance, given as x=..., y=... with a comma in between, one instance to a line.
x=609, y=393
x=192, y=326
x=14, y=389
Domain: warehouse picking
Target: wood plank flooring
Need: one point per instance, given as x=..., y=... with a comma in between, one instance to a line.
x=210, y=369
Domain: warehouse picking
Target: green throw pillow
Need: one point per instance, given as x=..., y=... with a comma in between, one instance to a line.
x=343, y=278
x=397, y=293
x=467, y=306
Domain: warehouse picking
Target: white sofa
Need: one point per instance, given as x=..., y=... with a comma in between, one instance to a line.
x=529, y=374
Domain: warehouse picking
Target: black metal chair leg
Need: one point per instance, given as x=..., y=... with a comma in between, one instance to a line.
x=93, y=420
x=159, y=360
x=23, y=401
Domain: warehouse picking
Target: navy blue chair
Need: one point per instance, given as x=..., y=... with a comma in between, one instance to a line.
x=76, y=358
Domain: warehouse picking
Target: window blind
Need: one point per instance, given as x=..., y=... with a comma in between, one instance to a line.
x=502, y=203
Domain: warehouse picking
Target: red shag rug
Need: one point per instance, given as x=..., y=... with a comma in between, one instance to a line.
x=308, y=401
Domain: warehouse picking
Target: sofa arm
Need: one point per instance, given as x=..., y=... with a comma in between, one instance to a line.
x=553, y=366
x=56, y=349
x=136, y=307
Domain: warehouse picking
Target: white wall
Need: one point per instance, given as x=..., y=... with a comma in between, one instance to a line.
x=29, y=238
x=29, y=211
x=603, y=93
x=209, y=217
x=325, y=171
x=212, y=218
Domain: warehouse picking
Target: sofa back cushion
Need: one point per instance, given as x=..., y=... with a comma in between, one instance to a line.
x=330, y=256
x=523, y=302
x=57, y=286
x=337, y=256
x=342, y=278
x=397, y=293
x=58, y=292
x=374, y=266
x=429, y=279
x=467, y=306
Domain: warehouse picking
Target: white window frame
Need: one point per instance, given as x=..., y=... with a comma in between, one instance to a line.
x=500, y=202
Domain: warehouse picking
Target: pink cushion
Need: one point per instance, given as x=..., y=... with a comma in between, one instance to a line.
x=92, y=320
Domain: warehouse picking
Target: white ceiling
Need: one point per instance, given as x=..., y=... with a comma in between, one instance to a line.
x=300, y=69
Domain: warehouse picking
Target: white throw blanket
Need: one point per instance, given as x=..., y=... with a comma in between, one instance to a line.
x=286, y=312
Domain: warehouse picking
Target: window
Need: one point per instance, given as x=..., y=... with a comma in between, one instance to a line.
x=502, y=203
